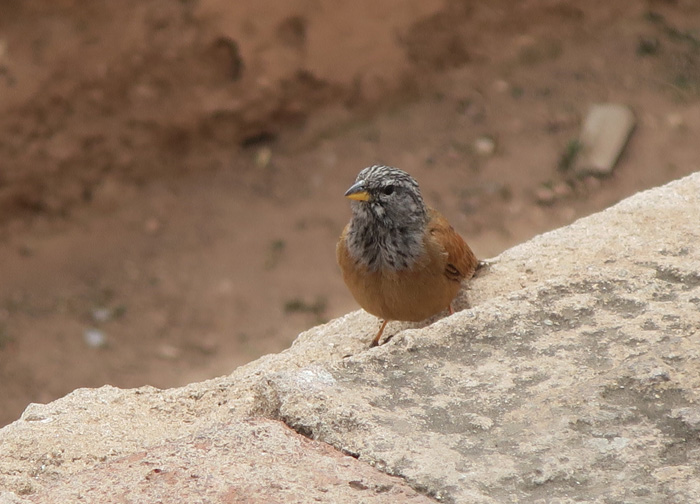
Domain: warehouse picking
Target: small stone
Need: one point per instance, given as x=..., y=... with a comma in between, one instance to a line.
x=545, y=195
x=603, y=137
x=484, y=146
x=561, y=190
x=207, y=345
x=101, y=314
x=94, y=338
x=169, y=352
x=263, y=157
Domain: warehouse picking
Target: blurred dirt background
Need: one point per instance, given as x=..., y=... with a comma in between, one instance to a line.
x=171, y=172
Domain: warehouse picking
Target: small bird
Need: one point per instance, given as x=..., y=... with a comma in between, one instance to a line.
x=400, y=258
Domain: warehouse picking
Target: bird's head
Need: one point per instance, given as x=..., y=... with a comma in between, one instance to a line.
x=387, y=196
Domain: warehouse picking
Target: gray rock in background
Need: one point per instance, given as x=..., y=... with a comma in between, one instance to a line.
x=604, y=134
x=571, y=374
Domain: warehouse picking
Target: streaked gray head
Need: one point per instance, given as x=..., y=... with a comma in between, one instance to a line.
x=389, y=217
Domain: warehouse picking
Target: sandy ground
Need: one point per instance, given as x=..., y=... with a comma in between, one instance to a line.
x=171, y=173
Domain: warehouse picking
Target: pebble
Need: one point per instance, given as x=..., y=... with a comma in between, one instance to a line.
x=169, y=352
x=101, y=314
x=545, y=195
x=94, y=338
x=562, y=189
x=604, y=135
x=484, y=146
x=263, y=157
x=550, y=193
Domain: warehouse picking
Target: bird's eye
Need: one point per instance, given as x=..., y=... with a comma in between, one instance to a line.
x=388, y=190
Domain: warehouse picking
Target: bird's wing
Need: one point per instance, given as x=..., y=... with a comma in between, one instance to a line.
x=461, y=261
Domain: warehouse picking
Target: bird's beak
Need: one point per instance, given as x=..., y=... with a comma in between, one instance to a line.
x=357, y=192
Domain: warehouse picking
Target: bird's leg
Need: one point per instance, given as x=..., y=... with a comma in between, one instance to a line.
x=375, y=341
x=452, y=310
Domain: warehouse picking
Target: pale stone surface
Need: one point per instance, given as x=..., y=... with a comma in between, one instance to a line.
x=245, y=460
x=570, y=375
